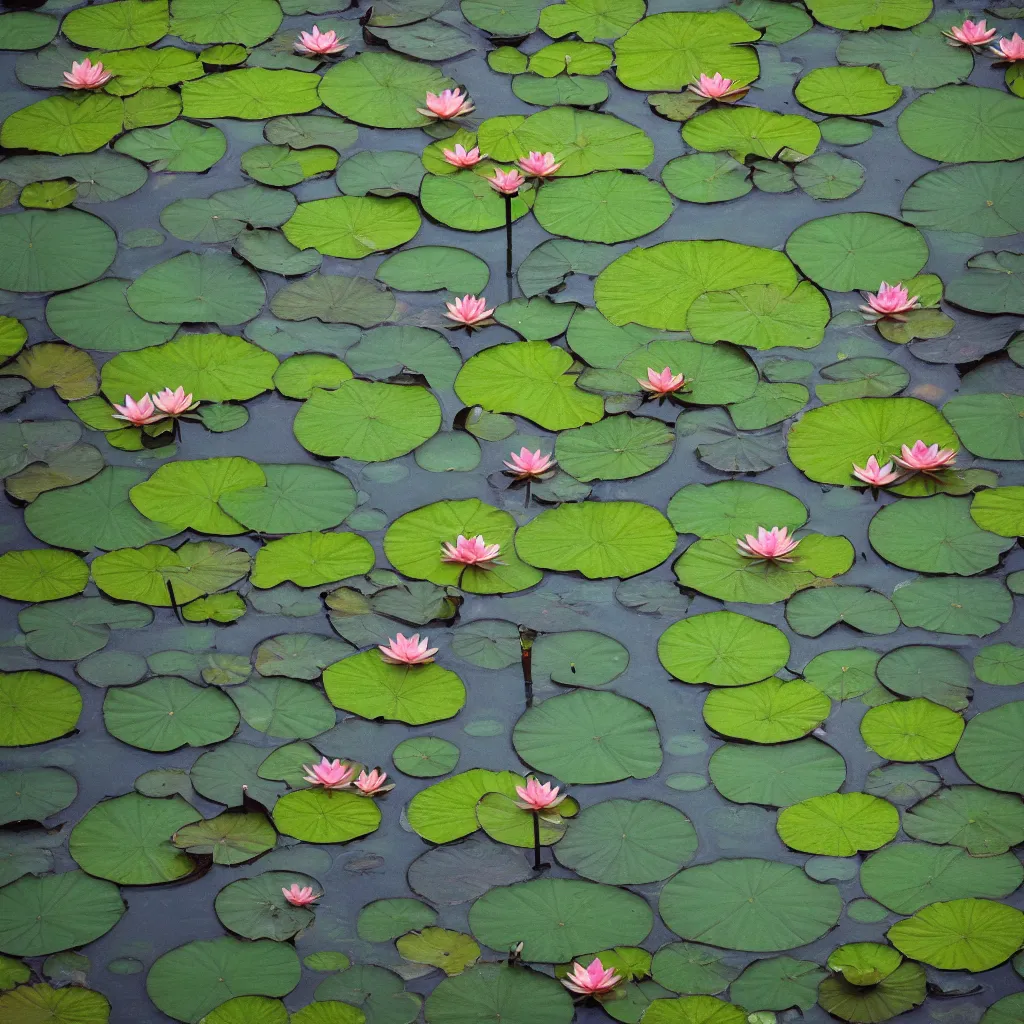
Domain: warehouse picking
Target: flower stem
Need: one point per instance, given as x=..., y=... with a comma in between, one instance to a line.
x=536, y=842
x=508, y=236
x=526, y=638
x=174, y=602
x=526, y=503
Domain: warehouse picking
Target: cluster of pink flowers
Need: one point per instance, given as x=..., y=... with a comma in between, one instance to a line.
x=772, y=545
x=975, y=34
x=922, y=458
x=338, y=775
x=715, y=87
x=471, y=551
x=163, y=404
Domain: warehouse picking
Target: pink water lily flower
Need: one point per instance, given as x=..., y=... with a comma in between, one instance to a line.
x=715, y=87
x=470, y=551
x=535, y=796
x=329, y=774
x=401, y=650
x=890, y=301
x=508, y=183
x=462, y=157
x=301, y=896
x=926, y=458
x=591, y=981
x=319, y=44
x=875, y=475
x=469, y=310
x=529, y=464
x=86, y=75
x=970, y=33
x=174, y=403
x=139, y=413
x=769, y=545
x=373, y=783
x=663, y=383
x=451, y=103
x=1009, y=49
x=540, y=165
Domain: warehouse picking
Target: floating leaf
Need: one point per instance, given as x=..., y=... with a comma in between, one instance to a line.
x=778, y=775
x=987, y=753
x=964, y=607
x=850, y=14
x=325, y=816
x=911, y=730
x=501, y=992
x=53, y=251
x=838, y=824
x=767, y=712
x=750, y=131
x=353, y=226
x=311, y=559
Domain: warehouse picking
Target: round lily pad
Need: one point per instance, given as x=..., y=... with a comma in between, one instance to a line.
x=325, y=816
x=768, y=712
x=532, y=913
x=899, y=992
x=960, y=935
x=1000, y=510
x=33, y=794
x=255, y=908
x=706, y=178
x=911, y=730
x=294, y=499
x=37, y=707
x=990, y=424
x=1000, y=665
x=723, y=649
x=939, y=674
x=352, y=226
x=733, y=508
x=757, y=905
x=627, y=842
x=847, y=90
x=750, y=131
x=615, y=448
x=367, y=421
x=578, y=658
x=499, y=992
x=425, y=757
x=989, y=753
x=838, y=824
x=616, y=538
x=777, y=775
x=589, y=736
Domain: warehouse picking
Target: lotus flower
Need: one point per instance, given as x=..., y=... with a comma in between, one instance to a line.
x=591, y=981
x=329, y=774
x=139, y=413
x=470, y=551
x=462, y=157
x=529, y=464
x=86, y=75
x=926, y=458
x=890, y=301
x=970, y=33
x=301, y=896
x=451, y=103
x=1009, y=49
x=537, y=797
x=407, y=651
x=875, y=475
x=373, y=783
x=716, y=87
x=174, y=403
x=540, y=165
x=469, y=310
x=769, y=545
x=508, y=183
x=320, y=44
x=663, y=383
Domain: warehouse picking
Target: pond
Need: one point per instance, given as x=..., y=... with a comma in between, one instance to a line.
x=793, y=774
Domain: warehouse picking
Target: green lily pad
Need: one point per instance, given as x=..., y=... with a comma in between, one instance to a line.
x=428, y=268
x=353, y=226
x=466, y=201
x=847, y=90
x=598, y=539
x=706, y=178
x=366, y=685
x=778, y=983
x=251, y=94
x=191, y=980
x=294, y=499
x=367, y=421
x=609, y=206
x=41, y=575
x=627, y=842
x=1000, y=511
x=311, y=559
x=693, y=1010
x=899, y=992
x=126, y=840
x=988, y=754
x=38, y=707
x=591, y=19
x=230, y=838
x=1000, y=665
x=838, y=824
x=909, y=876
x=693, y=969
x=771, y=711
x=987, y=203
x=991, y=424
x=777, y=775
x=179, y=146
x=535, y=913
x=32, y=794
x=616, y=448
x=385, y=920
x=578, y=658
x=61, y=125
x=283, y=708
x=447, y=810
x=325, y=816
x=750, y=131
x=938, y=674
x=851, y=14
x=657, y=286
x=49, y=913
x=965, y=607
x=964, y=123
x=425, y=757
x=42, y=1001
x=723, y=649
x=911, y=730
x=733, y=508
x=967, y=935
x=827, y=442
x=499, y=992
x=381, y=89
x=749, y=904
x=589, y=736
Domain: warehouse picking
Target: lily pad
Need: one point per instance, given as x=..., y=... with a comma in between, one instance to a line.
x=911, y=730
x=311, y=559
x=771, y=711
x=750, y=131
x=53, y=251
x=965, y=607
x=325, y=816
x=987, y=753
x=778, y=775
x=847, y=90
x=353, y=226
x=838, y=824
x=499, y=992
x=38, y=707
